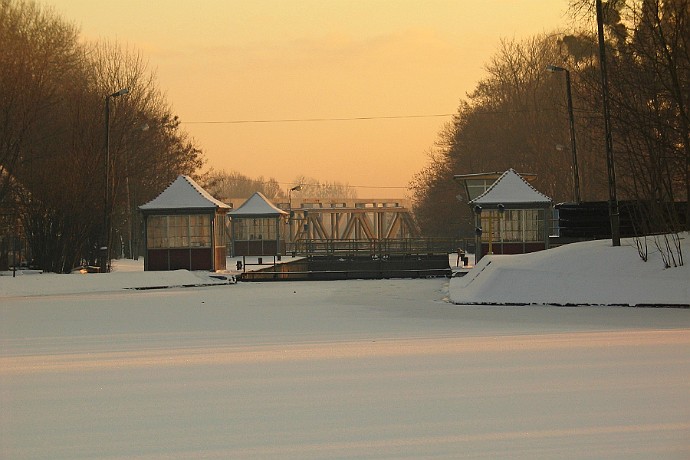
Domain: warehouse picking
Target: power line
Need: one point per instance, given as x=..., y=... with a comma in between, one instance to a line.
x=364, y=118
x=298, y=120
x=374, y=186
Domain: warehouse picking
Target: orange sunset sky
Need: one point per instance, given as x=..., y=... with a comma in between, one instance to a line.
x=232, y=68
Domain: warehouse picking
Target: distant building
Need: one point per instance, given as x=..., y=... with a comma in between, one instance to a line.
x=256, y=228
x=185, y=229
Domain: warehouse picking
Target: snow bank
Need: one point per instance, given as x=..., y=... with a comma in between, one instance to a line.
x=52, y=283
x=589, y=273
x=126, y=274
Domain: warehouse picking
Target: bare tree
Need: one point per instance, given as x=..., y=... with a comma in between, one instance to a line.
x=52, y=131
x=515, y=118
x=650, y=73
x=232, y=184
x=313, y=188
x=38, y=52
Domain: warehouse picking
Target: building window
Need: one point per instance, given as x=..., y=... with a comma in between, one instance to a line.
x=200, y=231
x=534, y=225
x=515, y=225
x=157, y=232
x=511, y=226
x=492, y=225
x=255, y=229
x=179, y=231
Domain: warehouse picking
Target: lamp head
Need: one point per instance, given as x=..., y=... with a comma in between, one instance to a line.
x=122, y=92
x=296, y=188
x=554, y=68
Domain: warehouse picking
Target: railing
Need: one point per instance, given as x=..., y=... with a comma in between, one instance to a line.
x=380, y=247
x=333, y=275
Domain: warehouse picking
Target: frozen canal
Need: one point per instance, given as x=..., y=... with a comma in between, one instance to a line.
x=354, y=369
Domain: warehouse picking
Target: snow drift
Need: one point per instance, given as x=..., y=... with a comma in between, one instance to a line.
x=588, y=273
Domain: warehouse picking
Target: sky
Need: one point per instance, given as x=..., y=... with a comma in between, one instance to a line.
x=381, y=76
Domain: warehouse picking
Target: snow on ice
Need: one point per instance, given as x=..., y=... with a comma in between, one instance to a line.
x=351, y=369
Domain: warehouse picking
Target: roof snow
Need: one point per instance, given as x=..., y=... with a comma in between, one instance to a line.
x=511, y=188
x=257, y=206
x=184, y=193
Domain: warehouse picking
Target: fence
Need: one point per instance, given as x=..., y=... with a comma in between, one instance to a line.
x=381, y=247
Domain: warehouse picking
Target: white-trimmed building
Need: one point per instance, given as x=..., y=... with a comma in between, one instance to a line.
x=185, y=229
x=511, y=217
x=256, y=227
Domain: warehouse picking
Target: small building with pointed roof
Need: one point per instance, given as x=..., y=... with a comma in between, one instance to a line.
x=511, y=216
x=185, y=229
x=256, y=228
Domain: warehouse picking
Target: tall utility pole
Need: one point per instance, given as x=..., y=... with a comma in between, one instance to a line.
x=613, y=200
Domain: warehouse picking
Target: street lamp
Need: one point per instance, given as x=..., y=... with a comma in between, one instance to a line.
x=573, y=147
x=105, y=248
x=296, y=188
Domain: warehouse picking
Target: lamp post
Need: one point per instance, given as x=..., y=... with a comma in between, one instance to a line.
x=296, y=188
x=573, y=146
x=105, y=248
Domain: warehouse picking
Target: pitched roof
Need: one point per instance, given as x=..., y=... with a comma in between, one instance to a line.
x=257, y=206
x=184, y=193
x=511, y=188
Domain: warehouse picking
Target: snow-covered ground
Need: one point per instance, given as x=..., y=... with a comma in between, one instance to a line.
x=589, y=273
x=126, y=274
x=341, y=369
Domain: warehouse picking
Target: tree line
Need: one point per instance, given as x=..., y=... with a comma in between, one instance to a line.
x=55, y=90
x=516, y=116
x=232, y=184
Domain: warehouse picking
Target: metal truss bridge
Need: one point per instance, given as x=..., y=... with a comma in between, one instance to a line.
x=358, y=227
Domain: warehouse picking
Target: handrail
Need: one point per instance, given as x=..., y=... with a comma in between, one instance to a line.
x=378, y=247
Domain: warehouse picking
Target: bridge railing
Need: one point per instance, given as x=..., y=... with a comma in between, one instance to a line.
x=363, y=247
